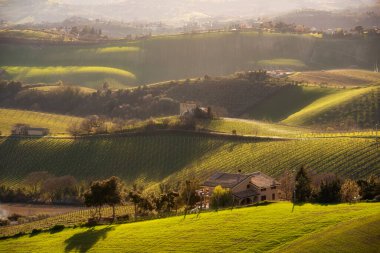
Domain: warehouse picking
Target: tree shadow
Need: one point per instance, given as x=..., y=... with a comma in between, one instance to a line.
x=84, y=241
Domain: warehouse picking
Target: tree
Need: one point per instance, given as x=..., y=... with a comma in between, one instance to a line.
x=287, y=184
x=106, y=192
x=135, y=196
x=349, y=191
x=60, y=189
x=221, y=197
x=369, y=188
x=74, y=129
x=189, y=194
x=303, y=186
x=329, y=191
x=34, y=181
x=112, y=189
x=93, y=123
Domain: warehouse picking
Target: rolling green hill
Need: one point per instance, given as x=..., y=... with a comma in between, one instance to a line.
x=253, y=229
x=185, y=56
x=358, y=107
x=57, y=124
x=90, y=76
x=170, y=156
x=338, y=77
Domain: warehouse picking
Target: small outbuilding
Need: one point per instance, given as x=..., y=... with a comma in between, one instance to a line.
x=24, y=129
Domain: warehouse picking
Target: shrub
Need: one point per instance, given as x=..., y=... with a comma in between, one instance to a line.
x=57, y=228
x=35, y=231
x=221, y=197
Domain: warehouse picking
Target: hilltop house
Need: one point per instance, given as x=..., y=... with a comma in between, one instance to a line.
x=23, y=129
x=193, y=109
x=245, y=188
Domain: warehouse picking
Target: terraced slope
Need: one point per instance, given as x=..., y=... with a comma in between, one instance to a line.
x=151, y=158
x=355, y=106
x=254, y=229
x=55, y=122
x=338, y=77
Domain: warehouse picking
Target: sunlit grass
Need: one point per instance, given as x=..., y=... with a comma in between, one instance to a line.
x=106, y=50
x=254, y=229
x=91, y=76
x=55, y=122
x=324, y=104
x=282, y=62
x=339, y=77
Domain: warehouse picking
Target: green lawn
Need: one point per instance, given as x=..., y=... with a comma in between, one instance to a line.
x=254, y=229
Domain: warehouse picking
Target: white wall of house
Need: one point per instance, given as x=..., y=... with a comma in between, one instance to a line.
x=36, y=132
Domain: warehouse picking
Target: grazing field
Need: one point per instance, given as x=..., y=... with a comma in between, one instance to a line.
x=91, y=76
x=284, y=103
x=344, y=103
x=31, y=34
x=49, y=88
x=253, y=127
x=282, y=63
x=339, y=77
x=253, y=229
x=184, y=56
x=170, y=157
x=57, y=124
x=360, y=235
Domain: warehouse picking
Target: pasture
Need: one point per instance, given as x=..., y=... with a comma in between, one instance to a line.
x=339, y=77
x=174, y=57
x=90, y=76
x=57, y=123
x=252, y=229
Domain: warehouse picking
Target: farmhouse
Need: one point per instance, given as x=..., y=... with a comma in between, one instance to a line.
x=23, y=129
x=245, y=188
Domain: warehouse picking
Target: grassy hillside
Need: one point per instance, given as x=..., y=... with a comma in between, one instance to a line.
x=185, y=56
x=254, y=229
x=31, y=34
x=338, y=77
x=286, y=102
x=170, y=157
x=360, y=106
x=90, y=76
x=55, y=122
x=360, y=235
x=253, y=127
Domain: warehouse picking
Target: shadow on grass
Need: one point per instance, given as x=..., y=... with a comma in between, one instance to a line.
x=82, y=242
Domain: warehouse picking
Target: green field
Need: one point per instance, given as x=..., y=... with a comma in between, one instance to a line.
x=336, y=102
x=339, y=77
x=170, y=157
x=30, y=34
x=282, y=63
x=184, y=56
x=90, y=76
x=253, y=229
x=286, y=102
x=57, y=124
